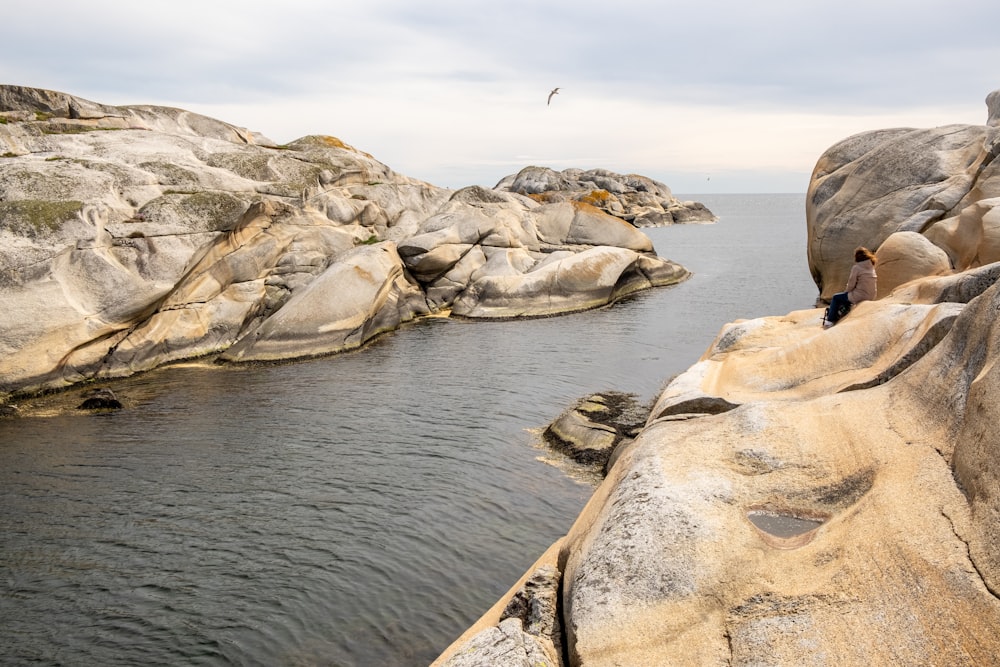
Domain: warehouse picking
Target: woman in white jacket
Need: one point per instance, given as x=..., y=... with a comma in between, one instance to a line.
x=861, y=286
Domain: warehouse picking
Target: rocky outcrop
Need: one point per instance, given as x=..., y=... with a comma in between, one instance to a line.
x=890, y=469
x=591, y=430
x=489, y=254
x=809, y=496
x=636, y=199
x=101, y=399
x=882, y=189
x=134, y=236
x=527, y=631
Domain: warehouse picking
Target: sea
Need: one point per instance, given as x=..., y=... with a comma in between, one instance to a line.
x=353, y=510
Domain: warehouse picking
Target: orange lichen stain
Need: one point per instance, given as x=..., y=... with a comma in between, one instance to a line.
x=364, y=274
x=334, y=142
x=544, y=197
x=585, y=207
x=596, y=197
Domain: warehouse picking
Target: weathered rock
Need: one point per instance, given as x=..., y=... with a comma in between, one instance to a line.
x=536, y=606
x=523, y=629
x=972, y=238
x=590, y=431
x=504, y=645
x=130, y=236
x=496, y=255
x=363, y=293
x=905, y=256
x=565, y=224
x=875, y=184
x=134, y=236
x=636, y=199
x=101, y=399
x=793, y=357
x=566, y=282
x=665, y=549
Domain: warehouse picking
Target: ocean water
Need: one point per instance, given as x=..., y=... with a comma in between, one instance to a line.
x=360, y=509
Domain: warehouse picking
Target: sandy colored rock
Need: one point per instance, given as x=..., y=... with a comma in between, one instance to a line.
x=875, y=184
x=972, y=238
x=906, y=256
x=590, y=430
x=566, y=282
x=664, y=567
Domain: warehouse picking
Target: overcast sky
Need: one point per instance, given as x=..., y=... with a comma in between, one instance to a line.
x=706, y=96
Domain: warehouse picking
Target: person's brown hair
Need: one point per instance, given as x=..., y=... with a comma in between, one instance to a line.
x=862, y=253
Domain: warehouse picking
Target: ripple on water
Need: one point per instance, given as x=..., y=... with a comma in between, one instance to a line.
x=356, y=510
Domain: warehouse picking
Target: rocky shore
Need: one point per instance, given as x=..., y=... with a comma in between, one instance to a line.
x=801, y=495
x=135, y=236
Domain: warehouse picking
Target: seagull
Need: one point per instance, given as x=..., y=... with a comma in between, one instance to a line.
x=555, y=91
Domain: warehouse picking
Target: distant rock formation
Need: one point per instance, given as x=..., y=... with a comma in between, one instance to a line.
x=636, y=199
x=138, y=235
x=804, y=496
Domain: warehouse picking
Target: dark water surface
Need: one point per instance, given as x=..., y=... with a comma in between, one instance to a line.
x=361, y=509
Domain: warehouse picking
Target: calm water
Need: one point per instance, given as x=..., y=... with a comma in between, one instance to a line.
x=362, y=509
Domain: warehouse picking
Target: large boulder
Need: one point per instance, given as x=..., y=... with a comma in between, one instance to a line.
x=875, y=184
x=971, y=238
x=905, y=256
x=565, y=283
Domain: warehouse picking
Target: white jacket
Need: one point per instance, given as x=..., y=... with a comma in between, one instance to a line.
x=863, y=283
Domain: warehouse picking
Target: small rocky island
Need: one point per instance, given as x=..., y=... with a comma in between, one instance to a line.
x=135, y=236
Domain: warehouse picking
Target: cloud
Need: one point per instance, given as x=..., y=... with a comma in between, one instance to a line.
x=452, y=90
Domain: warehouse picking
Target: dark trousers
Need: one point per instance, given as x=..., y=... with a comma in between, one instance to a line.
x=840, y=305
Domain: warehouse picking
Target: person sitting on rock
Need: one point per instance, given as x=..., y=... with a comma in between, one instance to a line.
x=861, y=286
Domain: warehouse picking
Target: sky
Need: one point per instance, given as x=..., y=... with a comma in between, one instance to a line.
x=706, y=96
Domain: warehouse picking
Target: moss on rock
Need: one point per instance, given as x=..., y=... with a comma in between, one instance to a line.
x=37, y=217
x=200, y=211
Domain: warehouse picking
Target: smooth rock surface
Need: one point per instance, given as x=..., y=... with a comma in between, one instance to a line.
x=664, y=565
x=135, y=236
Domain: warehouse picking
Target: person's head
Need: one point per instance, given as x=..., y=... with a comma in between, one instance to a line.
x=862, y=253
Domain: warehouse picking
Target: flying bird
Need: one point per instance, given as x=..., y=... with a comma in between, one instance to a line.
x=555, y=91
